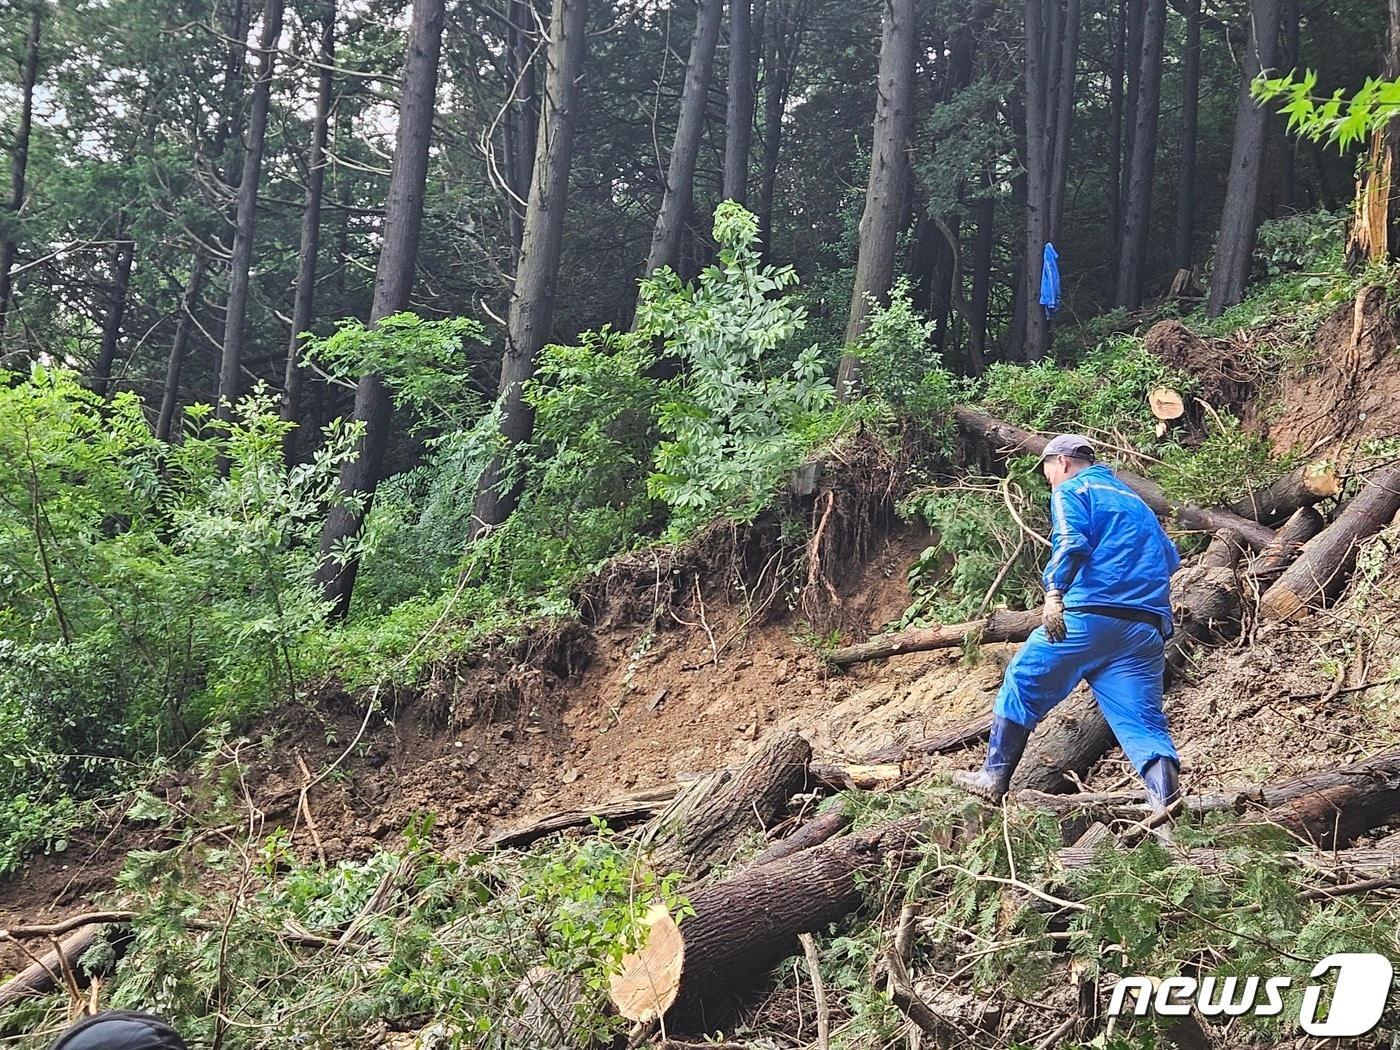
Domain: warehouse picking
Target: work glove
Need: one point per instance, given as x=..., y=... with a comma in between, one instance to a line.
x=1053, y=618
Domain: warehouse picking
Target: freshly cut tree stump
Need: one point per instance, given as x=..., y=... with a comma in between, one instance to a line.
x=1000, y=626
x=1301, y=487
x=747, y=924
x=705, y=822
x=1269, y=564
x=998, y=436
x=1327, y=559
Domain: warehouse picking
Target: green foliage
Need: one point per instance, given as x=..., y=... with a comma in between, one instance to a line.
x=732, y=429
x=143, y=593
x=424, y=363
x=1221, y=468
x=900, y=367
x=408, y=938
x=976, y=536
x=1105, y=392
x=1336, y=118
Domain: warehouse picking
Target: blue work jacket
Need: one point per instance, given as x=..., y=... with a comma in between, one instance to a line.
x=1108, y=547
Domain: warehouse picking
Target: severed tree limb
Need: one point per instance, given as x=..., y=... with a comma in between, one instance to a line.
x=1327, y=559
x=814, y=967
x=1000, y=626
x=1001, y=436
x=961, y=736
x=1303, y=486
x=619, y=813
x=819, y=829
x=1270, y=563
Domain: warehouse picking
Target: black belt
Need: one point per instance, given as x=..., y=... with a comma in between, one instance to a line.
x=1123, y=612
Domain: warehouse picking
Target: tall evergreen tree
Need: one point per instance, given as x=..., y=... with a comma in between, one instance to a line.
x=393, y=280
x=887, y=189
x=1137, y=202
x=738, y=119
x=532, y=301
x=1238, y=221
x=19, y=160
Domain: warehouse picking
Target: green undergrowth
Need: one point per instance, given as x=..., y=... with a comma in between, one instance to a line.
x=254, y=946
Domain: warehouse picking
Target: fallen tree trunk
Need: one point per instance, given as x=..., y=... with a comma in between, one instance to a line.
x=877, y=776
x=1327, y=559
x=1303, y=486
x=1001, y=626
x=1003, y=436
x=1269, y=564
x=619, y=813
x=819, y=829
x=747, y=924
x=965, y=735
x=705, y=822
x=46, y=973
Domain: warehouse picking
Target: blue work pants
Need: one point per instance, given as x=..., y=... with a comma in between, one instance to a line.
x=1122, y=660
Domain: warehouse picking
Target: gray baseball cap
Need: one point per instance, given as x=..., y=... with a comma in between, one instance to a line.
x=1076, y=446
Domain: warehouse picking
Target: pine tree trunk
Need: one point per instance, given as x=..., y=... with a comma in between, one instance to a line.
x=886, y=189
x=738, y=121
x=532, y=301
x=231, y=361
x=19, y=160
x=393, y=280
x=984, y=212
x=1113, y=183
x=680, y=173
x=1190, y=108
x=1064, y=113
x=112, y=320
x=1238, y=222
x=310, y=231
x=784, y=25
x=521, y=120
x=1288, y=58
x=1039, y=45
x=1137, y=206
x=189, y=300
x=1132, y=53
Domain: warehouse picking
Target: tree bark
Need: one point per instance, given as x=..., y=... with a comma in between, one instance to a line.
x=116, y=312
x=240, y=265
x=38, y=977
x=1327, y=559
x=680, y=172
x=522, y=119
x=620, y=813
x=1238, y=221
x=1303, y=486
x=1001, y=626
x=531, y=316
x=710, y=816
x=184, y=324
x=1000, y=437
x=983, y=211
x=886, y=189
x=784, y=24
x=393, y=280
x=1375, y=228
x=310, y=231
x=1137, y=207
x=19, y=162
x=819, y=829
x=1269, y=565
x=1190, y=110
x=745, y=925
x=738, y=121
x=1113, y=183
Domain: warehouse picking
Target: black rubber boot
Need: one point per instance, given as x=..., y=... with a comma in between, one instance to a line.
x=1163, y=779
x=1004, y=753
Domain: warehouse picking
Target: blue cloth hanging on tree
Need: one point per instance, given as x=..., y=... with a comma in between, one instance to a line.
x=1050, y=280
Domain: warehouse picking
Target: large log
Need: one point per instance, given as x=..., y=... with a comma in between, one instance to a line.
x=1003, y=436
x=42, y=976
x=1269, y=564
x=1001, y=626
x=1327, y=559
x=747, y=924
x=707, y=820
x=1303, y=486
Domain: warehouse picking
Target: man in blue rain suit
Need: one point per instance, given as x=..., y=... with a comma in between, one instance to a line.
x=1107, y=617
